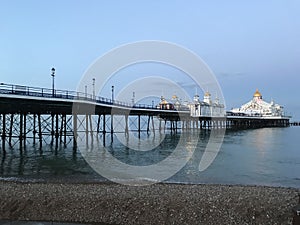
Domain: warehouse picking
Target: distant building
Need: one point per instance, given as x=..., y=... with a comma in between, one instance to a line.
x=197, y=108
x=258, y=107
x=165, y=105
x=207, y=107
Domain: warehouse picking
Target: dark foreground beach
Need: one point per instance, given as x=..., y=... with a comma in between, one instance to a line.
x=155, y=204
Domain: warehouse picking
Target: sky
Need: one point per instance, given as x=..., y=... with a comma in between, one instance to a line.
x=247, y=44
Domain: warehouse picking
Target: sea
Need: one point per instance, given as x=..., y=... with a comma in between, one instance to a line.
x=264, y=157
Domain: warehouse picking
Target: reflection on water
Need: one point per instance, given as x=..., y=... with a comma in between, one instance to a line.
x=266, y=156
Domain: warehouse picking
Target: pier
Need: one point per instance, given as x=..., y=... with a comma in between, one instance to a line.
x=59, y=116
x=295, y=124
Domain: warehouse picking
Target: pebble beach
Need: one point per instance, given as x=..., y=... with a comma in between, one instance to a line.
x=108, y=203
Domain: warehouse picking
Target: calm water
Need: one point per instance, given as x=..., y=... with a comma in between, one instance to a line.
x=268, y=156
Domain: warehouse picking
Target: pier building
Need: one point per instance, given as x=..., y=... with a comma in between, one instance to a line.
x=207, y=107
x=258, y=107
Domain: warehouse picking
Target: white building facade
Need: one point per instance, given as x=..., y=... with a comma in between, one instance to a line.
x=207, y=107
x=258, y=107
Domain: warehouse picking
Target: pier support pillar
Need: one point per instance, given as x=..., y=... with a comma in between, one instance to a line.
x=148, y=124
x=139, y=126
x=3, y=131
x=40, y=130
x=153, y=128
x=56, y=129
x=11, y=129
x=111, y=124
x=52, y=128
x=34, y=128
x=74, y=132
x=86, y=130
x=91, y=128
x=24, y=134
x=21, y=132
x=98, y=124
x=126, y=125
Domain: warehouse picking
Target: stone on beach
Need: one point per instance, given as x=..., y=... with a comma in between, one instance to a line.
x=155, y=204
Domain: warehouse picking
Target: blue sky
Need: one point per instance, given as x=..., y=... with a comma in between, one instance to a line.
x=247, y=44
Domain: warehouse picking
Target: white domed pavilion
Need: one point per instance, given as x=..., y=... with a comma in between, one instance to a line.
x=258, y=107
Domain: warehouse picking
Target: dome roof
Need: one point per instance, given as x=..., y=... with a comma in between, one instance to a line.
x=207, y=94
x=257, y=94
x=163, y=101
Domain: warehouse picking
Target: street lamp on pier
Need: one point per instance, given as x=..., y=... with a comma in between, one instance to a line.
x=112, y=93
x=94, y=88
x=53, y=75
x=133, y=98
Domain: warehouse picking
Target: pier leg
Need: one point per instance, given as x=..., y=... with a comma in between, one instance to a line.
x=153, y=128
x=74, y=132
x=25, y=119
x=139, y=125
x=126, y=126
x=40, y=130
x=104, y=128
x=104, y=125
x=10, y=129
x=34, y=126
x=61, y=128
x=52, y=128
x=65, y=130
x=21, y=132
x=111, y=128
x=87, y=130
x=111, y=124
x=3, y=131
x=56, y=130
x=91, y=129
x=148, y=124
x=98, y=124
x=159, y=125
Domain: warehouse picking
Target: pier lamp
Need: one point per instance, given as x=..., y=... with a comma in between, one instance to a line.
x=112, y=93
x=53, y=75
x=94, y=88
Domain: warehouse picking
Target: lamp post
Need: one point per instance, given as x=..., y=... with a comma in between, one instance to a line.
x=94, y=88
x=53, y=75
x=112, y=93
x=112, y=116
x=133, y=98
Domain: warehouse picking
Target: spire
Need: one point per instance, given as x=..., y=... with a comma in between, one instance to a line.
x=257, y=94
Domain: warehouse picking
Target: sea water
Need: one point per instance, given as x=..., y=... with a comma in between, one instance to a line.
x=266, y=156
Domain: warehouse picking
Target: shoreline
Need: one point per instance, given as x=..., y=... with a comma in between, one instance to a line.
x=72, y=181
x=110, y=203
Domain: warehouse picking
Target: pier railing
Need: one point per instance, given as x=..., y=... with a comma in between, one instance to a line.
x=65, y=94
